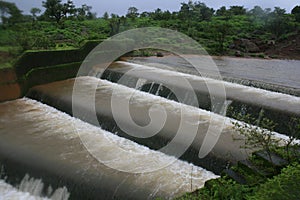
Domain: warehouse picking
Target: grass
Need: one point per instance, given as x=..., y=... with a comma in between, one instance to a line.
x=6, y=65
x=278, y=184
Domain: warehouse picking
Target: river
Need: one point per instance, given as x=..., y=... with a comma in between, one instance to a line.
x=283, y=75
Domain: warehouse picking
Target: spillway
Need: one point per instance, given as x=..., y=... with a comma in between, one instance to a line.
x=277, y=106
x=273, y=75
x=9, y=192
x=44, y=142
x=256, y=96
x=59, y=95
x=31, y=189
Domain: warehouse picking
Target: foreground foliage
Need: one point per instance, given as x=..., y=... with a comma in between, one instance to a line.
x=281, y=187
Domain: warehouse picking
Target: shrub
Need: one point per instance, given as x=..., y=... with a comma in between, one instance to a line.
x=259, y=137
x=281, y=187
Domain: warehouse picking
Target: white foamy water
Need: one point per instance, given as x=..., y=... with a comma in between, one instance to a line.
x=30, y=189
x=246, y=94
x=226, y=146
x=47, y=135
x=147, y=100
x=9, y=192
x=276, y=72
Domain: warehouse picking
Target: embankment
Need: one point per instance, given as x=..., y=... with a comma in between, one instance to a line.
x=40, y=67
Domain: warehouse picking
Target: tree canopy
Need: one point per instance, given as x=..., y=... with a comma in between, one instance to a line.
x=10, y=13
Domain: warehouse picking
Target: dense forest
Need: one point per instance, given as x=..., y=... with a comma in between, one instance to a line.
x=238, y=31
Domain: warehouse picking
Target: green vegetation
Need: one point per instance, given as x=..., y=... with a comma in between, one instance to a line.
x=282, y=186
x=262, y=136
x=225, y=31
x=273, y=172
x=259, y=137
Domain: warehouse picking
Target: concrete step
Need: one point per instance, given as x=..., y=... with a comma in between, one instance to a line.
x=235, y=176
x=248, y=165
x=275, y=159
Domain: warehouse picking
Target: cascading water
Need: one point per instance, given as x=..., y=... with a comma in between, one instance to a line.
x=31, y=189
x=276, y=106
x=273, y=75
x=9, y=192
x=45, y=142
x=59, y=95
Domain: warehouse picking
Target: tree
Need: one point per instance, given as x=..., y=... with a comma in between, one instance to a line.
x=221, y=11
x=132, y=13
x=294, y=133
x=185, y=11
x=69, y=9
x=54, y=10
x=114, y=23
x=105, y=16
x=258, y=17
x=34, y=12
x=85, y=12
x=166, y=15
x=276, y=22
x=296, y=13
x=4, y=10
x=260, y=136
x=201, y=11
x=237, y=10
x=157, y=14
x=220, y=30
x=279, y=11
x=145, y=14
x=10, y=13
x=257, y=11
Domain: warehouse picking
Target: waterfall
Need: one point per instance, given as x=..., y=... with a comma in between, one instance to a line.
x=35, y=187
x=47, y=143
x=140, y=83
x=139, y=106
x=31, y=189
x=244, y=99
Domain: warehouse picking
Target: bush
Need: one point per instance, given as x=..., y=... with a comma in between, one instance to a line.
x=260, y=136
x=284, y=186
x=43, y=43
x=221, y=188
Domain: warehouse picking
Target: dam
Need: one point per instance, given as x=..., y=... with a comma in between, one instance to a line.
x=45, y=143
x=244, y=99
x=196, y=121
x=199, y=124
x=88, y=154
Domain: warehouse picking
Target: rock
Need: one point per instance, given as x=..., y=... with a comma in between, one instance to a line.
x=271, y=42
x=246, y=45
x=231, y=46
x=159, y=54
x=238, y=54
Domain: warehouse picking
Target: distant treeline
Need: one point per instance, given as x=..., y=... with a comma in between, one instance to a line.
x=63, y=25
